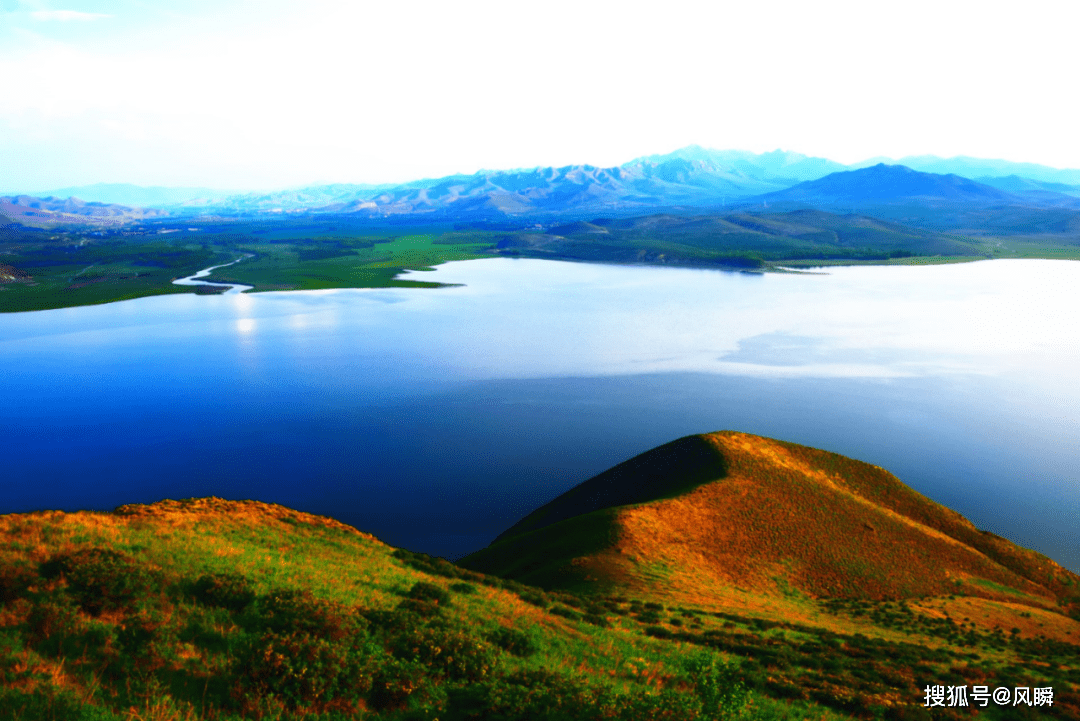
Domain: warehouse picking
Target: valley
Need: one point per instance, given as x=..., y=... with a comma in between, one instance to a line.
x=687, y=209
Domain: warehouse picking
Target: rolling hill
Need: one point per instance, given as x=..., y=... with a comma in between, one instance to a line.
x=712, y=512
x=889, y=183
x=976, y=168
x=49, y=212
x=216, y=610
x=949, y=203
x=745, y=239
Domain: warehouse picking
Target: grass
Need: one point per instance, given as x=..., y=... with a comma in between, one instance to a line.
x=777, y=523
x=742, y=240
x=213, y=609
x=374, y=263
x=70, y=266
x=65, y=276
x=60, y=268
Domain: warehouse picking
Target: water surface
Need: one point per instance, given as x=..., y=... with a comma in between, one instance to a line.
x=435, y=418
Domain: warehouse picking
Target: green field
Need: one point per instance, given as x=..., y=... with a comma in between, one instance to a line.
x=64, y=268
x=69, y=266
x=372, y=262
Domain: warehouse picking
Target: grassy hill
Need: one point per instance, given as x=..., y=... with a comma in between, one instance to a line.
x=742, y=239
x=214, y=609
x=730, y=509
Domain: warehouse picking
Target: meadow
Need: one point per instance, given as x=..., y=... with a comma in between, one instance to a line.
x=211, y=609
x=69, y=265
x=59, y=268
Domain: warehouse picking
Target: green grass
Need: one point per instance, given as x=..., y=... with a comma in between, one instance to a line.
x=284, y=267
x=220, y=610
x=65, y=268
x=81, y=266
x=91, y=274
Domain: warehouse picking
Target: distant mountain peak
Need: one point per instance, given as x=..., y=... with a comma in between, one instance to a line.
x=888, y=182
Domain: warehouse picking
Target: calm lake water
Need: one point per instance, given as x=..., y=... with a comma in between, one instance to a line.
x=436, y=418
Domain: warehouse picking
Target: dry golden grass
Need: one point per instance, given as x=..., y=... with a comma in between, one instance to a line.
x=989, y=615
x=185, y=512
x=778, y=520
x=783, y=524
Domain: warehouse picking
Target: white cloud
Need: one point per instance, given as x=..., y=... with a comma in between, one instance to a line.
x=66, y=15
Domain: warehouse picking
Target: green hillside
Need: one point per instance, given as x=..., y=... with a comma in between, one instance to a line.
x=224, y=610
x=743, y=239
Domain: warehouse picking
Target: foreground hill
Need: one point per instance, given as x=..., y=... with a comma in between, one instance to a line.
x=228, y=610
x=723, y=510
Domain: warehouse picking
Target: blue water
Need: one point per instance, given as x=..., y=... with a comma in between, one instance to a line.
x=435, y=418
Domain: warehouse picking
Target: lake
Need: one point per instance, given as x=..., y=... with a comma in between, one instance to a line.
x=436, y=418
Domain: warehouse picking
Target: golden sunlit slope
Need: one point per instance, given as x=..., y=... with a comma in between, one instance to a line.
x=704, y=514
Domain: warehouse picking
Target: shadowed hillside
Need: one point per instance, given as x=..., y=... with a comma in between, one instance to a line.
x=733, y=510
x=740, y=239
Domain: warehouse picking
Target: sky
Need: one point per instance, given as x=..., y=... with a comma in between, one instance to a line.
x=264, y=94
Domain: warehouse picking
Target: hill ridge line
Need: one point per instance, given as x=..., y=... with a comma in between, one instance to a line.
x=832, y=483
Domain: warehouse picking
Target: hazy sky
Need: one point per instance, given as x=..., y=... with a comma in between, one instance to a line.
x=243, y=94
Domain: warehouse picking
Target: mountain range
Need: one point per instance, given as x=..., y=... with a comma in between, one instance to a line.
x=690, y=177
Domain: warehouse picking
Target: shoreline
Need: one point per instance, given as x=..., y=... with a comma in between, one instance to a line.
x=230, y=288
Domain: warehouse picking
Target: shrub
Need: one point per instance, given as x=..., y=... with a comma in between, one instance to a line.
x=514, y=642
x=423, y=591
x=101, y=579
x=394, y=683
x=536, y=599
x=569, y=599
x=463, y=588
x=420, y=608
x=665, y=704
x=446, y=651
x=14, y=582
x=614, y=607
x=439, y=567
x=398, y=620
x=565, y=613
x=53, y=615
x=524, y=696
x=549, y=696
x=717, y=684
x=201, y=629
x=147, y=642
x=288, y=611
x=302, y=669
x=657, y=632
x=50, y=703
x=512, y=585
x=223, y=590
